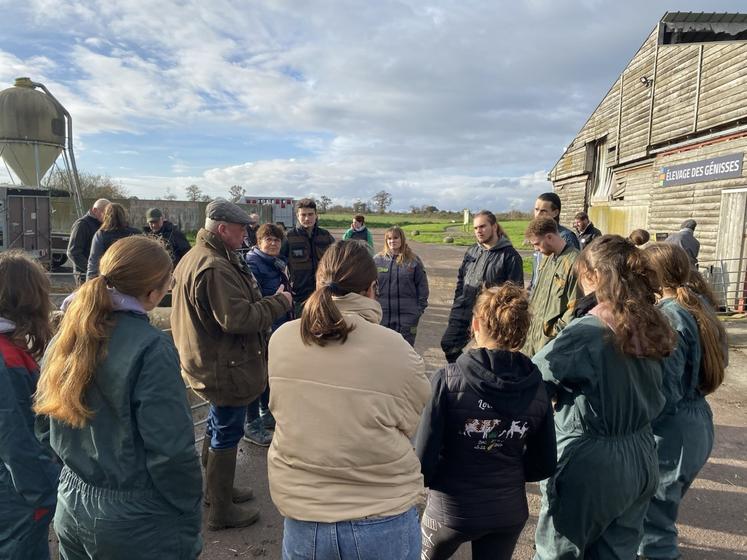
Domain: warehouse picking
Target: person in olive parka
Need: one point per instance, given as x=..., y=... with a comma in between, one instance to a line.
x=605, y=372
x=487, y=431
x=684, y=430
x=305, y=244
x=120, y=422
x=489, y=262
x=28, y=470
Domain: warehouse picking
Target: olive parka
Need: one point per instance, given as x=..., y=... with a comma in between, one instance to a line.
x=221, y=323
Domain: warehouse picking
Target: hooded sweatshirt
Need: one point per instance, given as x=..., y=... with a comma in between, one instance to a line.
x=487, y=431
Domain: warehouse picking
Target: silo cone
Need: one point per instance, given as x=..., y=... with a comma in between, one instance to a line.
x=32, y=131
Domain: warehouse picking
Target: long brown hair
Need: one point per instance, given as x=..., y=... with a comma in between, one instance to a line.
x=134, y=266
x=503, y=311
x=345, y=268
x=405, y=253
x=24, y=299
x=115, y=217
x=628, y=284
x=699, y=285
x=673, y=266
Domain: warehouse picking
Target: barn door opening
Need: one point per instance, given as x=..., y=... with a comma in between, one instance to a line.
x=728, y=272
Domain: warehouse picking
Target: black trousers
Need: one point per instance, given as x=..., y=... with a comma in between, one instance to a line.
x=441, y=542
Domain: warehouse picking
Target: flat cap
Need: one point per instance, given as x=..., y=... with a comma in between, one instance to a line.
x=153, y=214
x=222, y=210
x=689, y=224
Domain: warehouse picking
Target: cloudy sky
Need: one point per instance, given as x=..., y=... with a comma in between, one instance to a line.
x=457, y=103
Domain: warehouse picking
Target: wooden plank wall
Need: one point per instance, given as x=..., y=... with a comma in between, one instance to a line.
x=723, y=84
x=670, y=206
x=571, y=193
x=674, y=92
x=636, y=103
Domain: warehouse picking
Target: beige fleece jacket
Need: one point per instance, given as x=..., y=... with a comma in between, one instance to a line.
x=345, y=414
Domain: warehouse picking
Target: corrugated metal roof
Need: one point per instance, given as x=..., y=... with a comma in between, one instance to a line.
x=703, y=17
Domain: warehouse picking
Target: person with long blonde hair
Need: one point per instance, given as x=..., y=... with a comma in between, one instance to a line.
x=120, y=422
x=346, y=394
x=402, y=285
x=604, y=370
x=684, y=430
x=28, y=472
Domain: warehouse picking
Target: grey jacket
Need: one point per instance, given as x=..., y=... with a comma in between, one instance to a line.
x=685, y=238
x=403, y=290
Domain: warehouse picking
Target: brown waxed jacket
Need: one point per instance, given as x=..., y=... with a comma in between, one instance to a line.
x=220, y=323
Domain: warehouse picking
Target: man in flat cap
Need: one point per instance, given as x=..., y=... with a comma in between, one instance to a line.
x=685, y=238
x=220, y=324
x=175, y=241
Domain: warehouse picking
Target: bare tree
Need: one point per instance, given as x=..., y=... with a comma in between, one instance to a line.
x=194, y=193
x=324, y=203
x=382, y=200
x=91, y=185
x=206, y=198
x=360, y=207
x=169, y=194
x=236, y=192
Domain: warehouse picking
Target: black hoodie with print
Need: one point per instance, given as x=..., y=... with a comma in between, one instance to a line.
x=486, y=432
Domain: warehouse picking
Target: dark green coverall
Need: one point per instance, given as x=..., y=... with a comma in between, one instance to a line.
x=684, y=435
x=28, y=471
x=593, y=506
x=131, y=486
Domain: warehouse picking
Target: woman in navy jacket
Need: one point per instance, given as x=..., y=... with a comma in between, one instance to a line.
x=270, y=272
x=487, y=431
x=28, y=472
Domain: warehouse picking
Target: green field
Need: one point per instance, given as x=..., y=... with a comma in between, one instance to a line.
x=379, y=220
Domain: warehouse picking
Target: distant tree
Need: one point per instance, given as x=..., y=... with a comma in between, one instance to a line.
x=91, y=185
x=169, y=195
x=382, y=200
x=236, y=192
x=360, y=207
x=428, y=209
x=206, y=198
x=193, y=193
x=323, y=204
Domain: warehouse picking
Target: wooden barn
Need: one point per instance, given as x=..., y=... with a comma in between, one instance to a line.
x=667, y=142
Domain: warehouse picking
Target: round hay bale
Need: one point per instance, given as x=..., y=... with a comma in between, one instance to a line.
x=448, y=239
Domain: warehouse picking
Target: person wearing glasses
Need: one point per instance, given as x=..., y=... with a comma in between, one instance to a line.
x=270, y=271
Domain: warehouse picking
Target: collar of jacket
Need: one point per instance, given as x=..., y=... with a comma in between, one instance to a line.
x=214, y=242
x=356, y=304
x=502, y=243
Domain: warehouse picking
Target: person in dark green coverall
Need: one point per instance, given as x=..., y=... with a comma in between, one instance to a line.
x=604, y=371
x=684, y=430
x=28, y=470
x=131, y=485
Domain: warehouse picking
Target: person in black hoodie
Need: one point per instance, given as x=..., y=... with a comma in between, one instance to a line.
x=486, y=432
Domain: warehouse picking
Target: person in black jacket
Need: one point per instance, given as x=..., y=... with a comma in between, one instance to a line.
x=585, y=230
x=113, y=228
x=487, y=431
x=305, y=244
x=175, y=241
x=489, y=262
x=81, y=237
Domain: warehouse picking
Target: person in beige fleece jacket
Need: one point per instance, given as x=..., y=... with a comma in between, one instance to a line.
x=346, y=394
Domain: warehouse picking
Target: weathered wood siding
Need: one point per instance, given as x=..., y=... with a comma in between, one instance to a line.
x=674, y=92
x=723, y=84
x=571, y=193
x=636, y=103
x=670, y=206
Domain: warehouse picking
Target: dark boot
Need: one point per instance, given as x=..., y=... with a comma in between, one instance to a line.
x=240, y=494
x=224, y=514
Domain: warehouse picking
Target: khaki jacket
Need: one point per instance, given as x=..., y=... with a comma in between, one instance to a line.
x=221, y=322
x=345, y=414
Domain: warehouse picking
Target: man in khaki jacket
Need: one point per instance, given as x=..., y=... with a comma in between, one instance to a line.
x=220, y=323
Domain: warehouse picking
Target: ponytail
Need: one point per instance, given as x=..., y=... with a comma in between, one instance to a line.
x=133, y=266
x=673, y=266
x=70, y=363
x=345, y=268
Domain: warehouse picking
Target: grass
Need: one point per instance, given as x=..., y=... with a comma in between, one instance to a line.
x=378, y=220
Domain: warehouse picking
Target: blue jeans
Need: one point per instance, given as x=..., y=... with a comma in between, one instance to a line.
x=258, y=406
x=377, y=538
x=225, y=426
